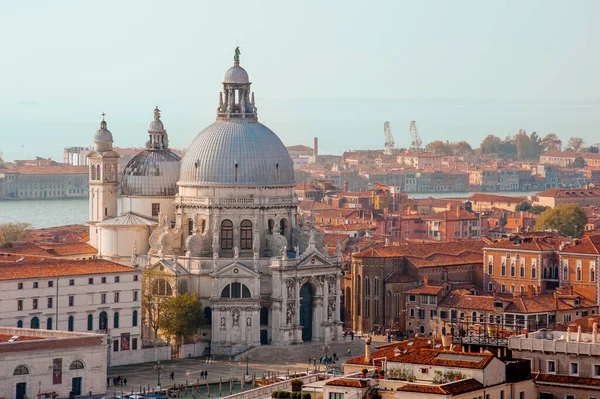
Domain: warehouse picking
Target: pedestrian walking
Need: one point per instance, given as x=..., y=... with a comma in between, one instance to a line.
x=125, y=381
x=202, y=374
x=206, y=374
x=309, y=361
x=349, y=352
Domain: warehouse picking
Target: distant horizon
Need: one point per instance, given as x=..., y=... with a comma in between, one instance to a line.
x=336, y=70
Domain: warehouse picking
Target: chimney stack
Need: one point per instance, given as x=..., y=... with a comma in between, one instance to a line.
x=579, y=333
x=368, y=350
x=594, y=329
x=425, y=280
x=316, y=147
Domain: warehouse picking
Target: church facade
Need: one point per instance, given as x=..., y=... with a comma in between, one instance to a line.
x=221, y=222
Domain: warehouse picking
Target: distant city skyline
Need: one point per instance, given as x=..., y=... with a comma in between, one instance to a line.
x=335, y=70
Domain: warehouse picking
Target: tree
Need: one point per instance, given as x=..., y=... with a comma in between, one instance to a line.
x=490, y=145
x=551, y=142
x=439, y=147
x=593, y=149
x=575, y=144
x=578, y=162
x=567, y=219
x=523, y=206
x=182, y=316
x=463, y=148
x=153, y=305
x=10, y=232
x=537, y=209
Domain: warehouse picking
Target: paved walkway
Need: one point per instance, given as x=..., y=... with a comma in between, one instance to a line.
x=264, y=359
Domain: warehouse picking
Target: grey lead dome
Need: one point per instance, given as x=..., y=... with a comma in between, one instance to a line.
x=236, y=74
x=260, y=156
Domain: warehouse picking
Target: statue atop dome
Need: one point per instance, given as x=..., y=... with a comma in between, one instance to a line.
x=236, y=56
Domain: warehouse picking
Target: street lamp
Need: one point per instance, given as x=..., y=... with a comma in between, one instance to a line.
x=158, y=367
x=246, y=358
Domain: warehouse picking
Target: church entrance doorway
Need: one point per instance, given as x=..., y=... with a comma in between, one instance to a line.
x=306, y=311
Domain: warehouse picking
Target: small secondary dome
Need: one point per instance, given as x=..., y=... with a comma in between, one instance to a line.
x=236, y=74
x=154, y=171
x=103, y=135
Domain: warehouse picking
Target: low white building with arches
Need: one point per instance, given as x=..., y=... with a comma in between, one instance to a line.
x=45, y=361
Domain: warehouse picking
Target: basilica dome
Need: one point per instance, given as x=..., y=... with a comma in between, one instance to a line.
x=237, y=149
x=234, y=152
x=155, y=170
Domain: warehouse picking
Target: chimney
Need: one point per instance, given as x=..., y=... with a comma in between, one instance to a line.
x=594, y=329
x=425, y=280
x=555, y=300
x=448, y=206
x=346, y=186
x=458, y=211
x=316, y=147
x=368, y=350
x=529, y=291
x=568, y=337
x=579, y=333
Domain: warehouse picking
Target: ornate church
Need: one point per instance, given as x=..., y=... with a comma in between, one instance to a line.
x=221, y=222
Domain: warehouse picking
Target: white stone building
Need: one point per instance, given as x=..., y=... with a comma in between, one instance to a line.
x=95, y=296
x=42, y=361
x=226, y=220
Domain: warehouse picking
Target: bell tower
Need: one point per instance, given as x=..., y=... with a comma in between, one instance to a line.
x=103, y=162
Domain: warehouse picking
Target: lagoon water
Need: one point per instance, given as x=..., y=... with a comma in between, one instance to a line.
x=49, y=213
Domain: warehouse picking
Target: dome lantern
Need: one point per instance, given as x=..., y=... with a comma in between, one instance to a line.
x=103, y=138
x=159, y=140
x=236, y=101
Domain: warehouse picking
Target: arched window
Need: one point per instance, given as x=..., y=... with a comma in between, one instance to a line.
x=422, y=329
x=98, y=176
x=246, y=234
x=21, y=370
x=264, y=316
x=49, y=323
x=35, y=323
x=208, y=315
x=227, y=234
x=277, y=174
x=202, y=225
x=522, y=289
x=71, y=323
x=283, y=225
x=190, y=227
x=93, y=172
x=103, y=321
x=376, y=296
x=20, y=324
x=592, y=274
x=116, y=320
x=161, y=287
x=579, y=273
x=90, y=322
x=490, y=287
x=474, y=317
x=236, y=173
x=134, y=318
x=235, y=290
x=453, y=314
x=492, y=319
x=566, y=273
x=77, y=365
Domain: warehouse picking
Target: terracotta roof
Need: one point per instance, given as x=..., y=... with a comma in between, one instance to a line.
x=5, y=337
x=451, y=388
x=496, y=198
x=588, y=244
x=458, y=300
x=310, y=205
x=70, y=249
x=425, y=289
x=570, y=193
x=526, y=244
x=565, y=379
x=335, y=213
x=389, y=351
x=332, y=239
x=351, y=227
x=348, y=382
x=586, y=323
x=466, y=257
x=423, y=250
x=298, y=147
x=51, y=170
x=60, y=267
x=440, y=357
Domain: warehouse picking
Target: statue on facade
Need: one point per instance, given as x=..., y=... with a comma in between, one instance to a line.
x=236, y=252
x=248, y=322
x=222, y=322
x=291, y=288
x=290, y=313
x=236, y=55
x=284, y=254
x=236, y=318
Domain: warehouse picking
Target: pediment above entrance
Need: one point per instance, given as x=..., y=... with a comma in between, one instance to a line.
x=235, y=270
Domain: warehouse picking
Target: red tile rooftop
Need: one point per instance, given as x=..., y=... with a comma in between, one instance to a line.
x=451, y=388
x=59, y=268
x=424, y=250
x=348, y=382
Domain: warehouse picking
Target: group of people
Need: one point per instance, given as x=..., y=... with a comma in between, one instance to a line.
x=326, y=360
x=204, y=374
x=117, y=381
x=351, y=333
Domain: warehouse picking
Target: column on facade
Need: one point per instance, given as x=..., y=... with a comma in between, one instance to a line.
x=296, y=320
x=337, y=298
x=325, y=308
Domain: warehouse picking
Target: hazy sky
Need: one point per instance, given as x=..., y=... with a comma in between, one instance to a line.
x=336, y=69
